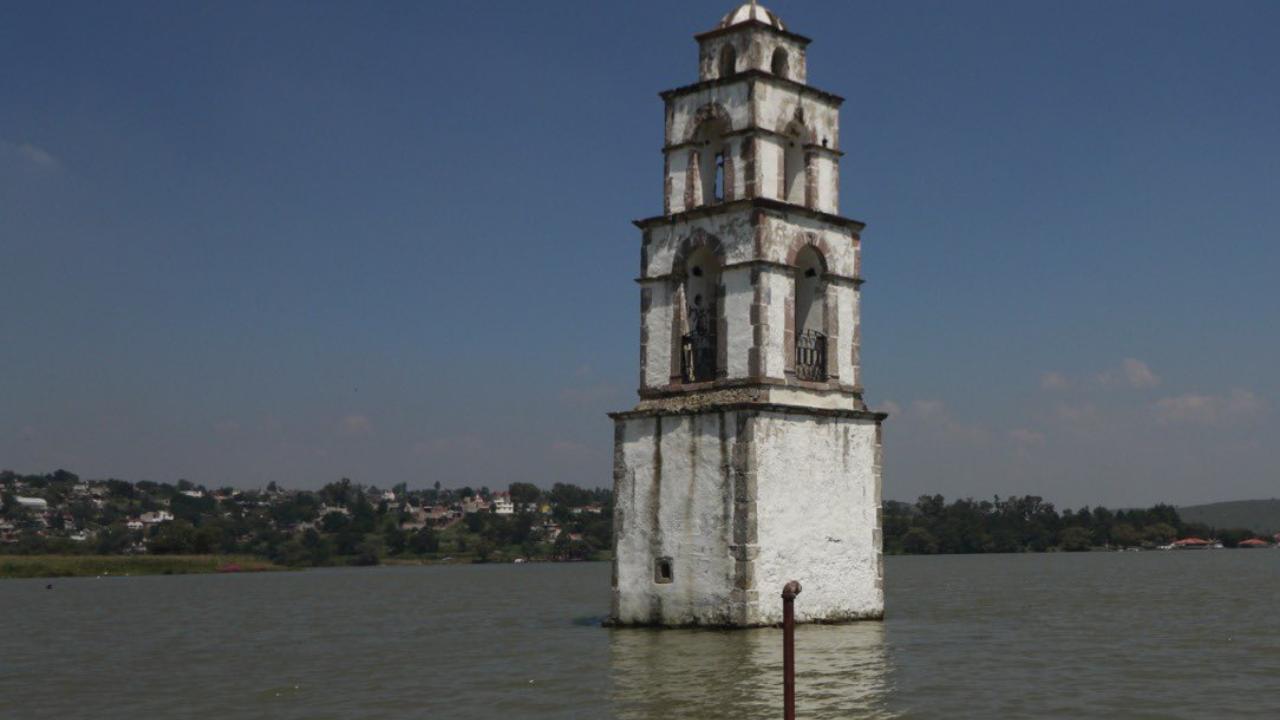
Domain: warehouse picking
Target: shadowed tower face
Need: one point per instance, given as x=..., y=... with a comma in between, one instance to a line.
x=751, y=458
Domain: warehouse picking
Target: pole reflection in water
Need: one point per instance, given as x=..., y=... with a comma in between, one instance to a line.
x=842, y=671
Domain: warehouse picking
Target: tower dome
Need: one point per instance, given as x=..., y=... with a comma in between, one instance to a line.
x=747, y=12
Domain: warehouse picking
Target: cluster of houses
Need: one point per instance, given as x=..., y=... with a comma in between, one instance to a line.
x=413, y=509
x=44, y=516
x=441, y=516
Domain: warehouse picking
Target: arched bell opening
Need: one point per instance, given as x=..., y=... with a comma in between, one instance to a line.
x=698, y=332
x=711, y=160
x=728, y=60
x=811, y=316
x=780, y=65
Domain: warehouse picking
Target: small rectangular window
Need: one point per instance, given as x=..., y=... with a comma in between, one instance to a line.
x=662, y=571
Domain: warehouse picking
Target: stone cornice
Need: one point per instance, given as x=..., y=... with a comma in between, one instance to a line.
x=831, y=277
x=754, y=130
x=877, y=417
x=751, y=24
x=752, y=74
x=758, y=383
x=756, y=202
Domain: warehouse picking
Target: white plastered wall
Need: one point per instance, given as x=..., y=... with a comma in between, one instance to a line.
x=754, y=51
x=673, y=499
x=817, y=502
x=840, y=254
x=769, y=167
x=776, y=105
x=846, y=318
x=777, y=283
x=738, y=295
x=732, y=229
x=828, y=184
x=733, y=98
x=656, y=321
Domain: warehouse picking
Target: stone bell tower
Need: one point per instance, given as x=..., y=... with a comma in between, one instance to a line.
x=751, y=458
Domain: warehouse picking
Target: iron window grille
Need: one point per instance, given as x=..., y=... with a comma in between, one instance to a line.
x=698, y=347
x=811, y=356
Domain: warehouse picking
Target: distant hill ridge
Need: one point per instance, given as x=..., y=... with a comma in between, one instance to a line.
x=1260, y=516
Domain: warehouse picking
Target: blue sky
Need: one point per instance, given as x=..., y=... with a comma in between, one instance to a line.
x=391, y=241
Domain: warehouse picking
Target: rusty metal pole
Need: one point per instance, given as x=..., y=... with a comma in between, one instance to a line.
x=789, y=593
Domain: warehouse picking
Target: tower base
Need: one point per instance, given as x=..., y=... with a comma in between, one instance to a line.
x=716, y=508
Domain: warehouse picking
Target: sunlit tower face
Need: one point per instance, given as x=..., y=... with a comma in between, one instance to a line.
x=751, y=458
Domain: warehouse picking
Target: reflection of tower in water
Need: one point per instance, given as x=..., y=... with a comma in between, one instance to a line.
x=841, y=672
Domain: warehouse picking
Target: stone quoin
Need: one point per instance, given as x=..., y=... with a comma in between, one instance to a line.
x=751, y=458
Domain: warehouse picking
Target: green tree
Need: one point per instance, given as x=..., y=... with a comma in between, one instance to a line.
x=1232, y=537
x=1160, y=533
x=424, y=541
x=1124, y=535
x=172, y=538
x=192, y=509
x=1075, y=539
x=919, y=541
x=363, y=515
x=368, y=552
x=598, y=532
x=570, y=495
x=347, y=542
x=9, y=506
x=293, y=554
x=319, y=548
x=396, y=540
x=207, y=539
x=114, y=540
x=334, y=521
x=524, y=493
x=566, y=548
x=338, y=494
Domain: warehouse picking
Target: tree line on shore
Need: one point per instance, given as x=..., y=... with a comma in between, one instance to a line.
x=348, y=523
x=1027, y=523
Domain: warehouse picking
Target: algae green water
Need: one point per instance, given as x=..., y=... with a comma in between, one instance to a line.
x=1119, y=635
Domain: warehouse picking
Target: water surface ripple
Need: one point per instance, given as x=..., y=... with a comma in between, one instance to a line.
x=1121, y=635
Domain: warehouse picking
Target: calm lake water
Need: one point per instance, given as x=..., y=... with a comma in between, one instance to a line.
x=1120, y=635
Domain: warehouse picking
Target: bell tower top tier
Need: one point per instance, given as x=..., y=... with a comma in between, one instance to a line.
x=751, y=38
x=750, y=279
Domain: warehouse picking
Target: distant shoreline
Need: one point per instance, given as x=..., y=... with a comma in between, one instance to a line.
x=62, y=566
x=26, y=567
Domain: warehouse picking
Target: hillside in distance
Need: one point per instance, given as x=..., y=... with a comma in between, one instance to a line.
x=1260, y=516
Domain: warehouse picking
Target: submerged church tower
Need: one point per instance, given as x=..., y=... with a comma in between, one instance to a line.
x=751, y=458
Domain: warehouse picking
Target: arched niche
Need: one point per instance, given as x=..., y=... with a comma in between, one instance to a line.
x=794, y=176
